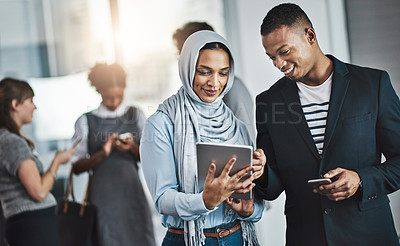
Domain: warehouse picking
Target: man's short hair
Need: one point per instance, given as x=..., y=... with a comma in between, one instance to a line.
x=286, y=14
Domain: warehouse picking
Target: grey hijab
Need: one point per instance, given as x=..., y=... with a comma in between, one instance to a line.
x=198, y=121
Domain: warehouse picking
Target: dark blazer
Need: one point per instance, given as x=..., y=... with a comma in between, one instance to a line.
x=363, y=122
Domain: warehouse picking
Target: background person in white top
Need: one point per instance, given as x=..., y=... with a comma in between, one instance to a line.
x=123, y=216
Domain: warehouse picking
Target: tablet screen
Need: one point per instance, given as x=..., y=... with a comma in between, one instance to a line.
x=220, y=154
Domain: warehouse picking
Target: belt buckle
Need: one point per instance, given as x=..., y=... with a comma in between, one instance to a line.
x=220, y=232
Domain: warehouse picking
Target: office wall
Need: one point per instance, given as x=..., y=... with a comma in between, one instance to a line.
x=22, y=46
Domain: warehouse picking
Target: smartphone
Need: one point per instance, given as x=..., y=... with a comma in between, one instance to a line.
x=318, y=182
x=76, y=141
x=123, y=136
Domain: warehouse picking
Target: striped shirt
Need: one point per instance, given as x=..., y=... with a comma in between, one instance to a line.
x=315, y=103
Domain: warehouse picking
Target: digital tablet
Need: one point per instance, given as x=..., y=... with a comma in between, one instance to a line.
x=220, y=154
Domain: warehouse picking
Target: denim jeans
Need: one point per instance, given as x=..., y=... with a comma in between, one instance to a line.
x=234, y=239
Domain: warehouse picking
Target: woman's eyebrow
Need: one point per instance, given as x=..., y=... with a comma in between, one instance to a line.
x=204, y=66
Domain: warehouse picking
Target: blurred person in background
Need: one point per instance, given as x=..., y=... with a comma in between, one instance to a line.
x=196, y=113
x=2, y=229
x=238, y=99
x=28, y=205
x=124, y=216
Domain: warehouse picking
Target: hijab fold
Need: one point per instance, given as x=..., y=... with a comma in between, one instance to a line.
x=198, y=121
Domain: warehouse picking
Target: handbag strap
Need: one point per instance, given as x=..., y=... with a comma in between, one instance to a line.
x=85, y=202
x=70, y=187
x=70, y=190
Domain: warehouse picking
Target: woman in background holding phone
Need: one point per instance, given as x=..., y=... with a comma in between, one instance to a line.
x=110, y=147
x=28, y=205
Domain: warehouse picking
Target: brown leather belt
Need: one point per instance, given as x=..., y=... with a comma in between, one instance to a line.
x=219, y=233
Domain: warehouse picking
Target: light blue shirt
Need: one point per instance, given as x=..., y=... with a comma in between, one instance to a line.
x=161, y=172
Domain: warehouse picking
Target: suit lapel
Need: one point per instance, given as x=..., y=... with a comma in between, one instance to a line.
x=291, y=97
x=338, y=93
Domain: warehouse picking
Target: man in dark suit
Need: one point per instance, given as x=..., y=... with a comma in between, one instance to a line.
x=327, y=119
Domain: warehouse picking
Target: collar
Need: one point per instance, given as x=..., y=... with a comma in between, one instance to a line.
x=103, y=112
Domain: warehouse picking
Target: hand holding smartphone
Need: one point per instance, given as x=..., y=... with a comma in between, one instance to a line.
x=124, y=136
x=318, y=182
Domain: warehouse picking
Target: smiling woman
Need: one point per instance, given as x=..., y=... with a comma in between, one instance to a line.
x=197, y=113
x=23, y=113
x=211, y=71
x=29, y=208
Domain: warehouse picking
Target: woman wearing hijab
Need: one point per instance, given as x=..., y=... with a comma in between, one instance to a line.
x=196, y=216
